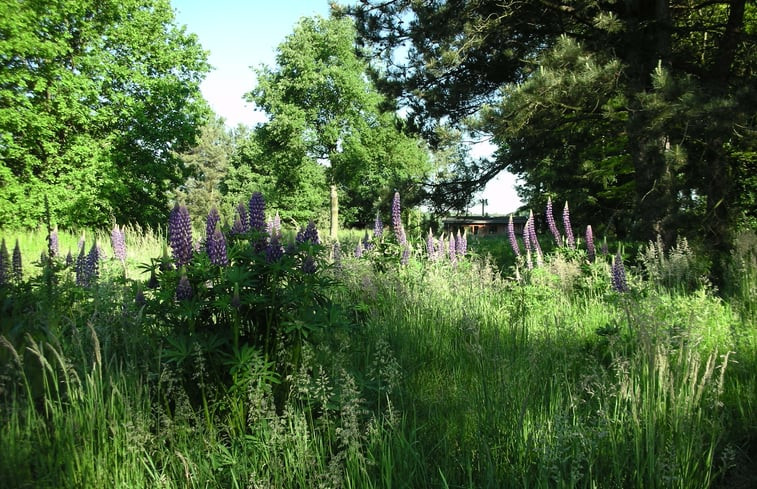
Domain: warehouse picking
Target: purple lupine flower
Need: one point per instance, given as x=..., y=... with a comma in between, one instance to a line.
x=309, y=265
x=527, y=243
x=359, y=249
x=551, y=222
x=5, y=265
x=238, y=227
x=18, y=269
x=53, y=247
x=217, y=249
x=378, y=227
x=310, y=234
x=69, y=258
x=184, y=289
x=460, y=244
x=452, y=249
x=367, y=243
x=82, y=278
x=511, y=235
x=568, y=229
x=430, y=245
x=257, y=212
x=92, y=267
x=118, y=243
x=241, y=222
x=405, y=256
x=274, y=225
x=464, y=240
x=180, y=234
x=273, y=250
x=210, y=226
x=619, y=282
x=399, y=230
x=604, y=249
x=590, y=251
x=534, y=240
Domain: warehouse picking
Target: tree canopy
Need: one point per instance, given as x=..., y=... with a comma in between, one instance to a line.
x=97, y=98
x=327, y=126
x=643, y=113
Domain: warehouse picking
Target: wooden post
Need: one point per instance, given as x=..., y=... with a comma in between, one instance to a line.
x=334, y=214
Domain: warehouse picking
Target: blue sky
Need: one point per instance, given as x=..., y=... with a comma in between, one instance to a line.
x=240, y=34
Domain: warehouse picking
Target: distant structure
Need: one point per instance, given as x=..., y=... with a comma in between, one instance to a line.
x=483, y=225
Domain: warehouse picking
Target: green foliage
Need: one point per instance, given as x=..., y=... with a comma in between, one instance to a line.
x=643, y=109
x=323, y=111
x=96, y=97
x=207, y=163
x=445, y=375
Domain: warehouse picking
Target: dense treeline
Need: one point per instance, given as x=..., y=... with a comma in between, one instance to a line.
x=643, y=113
x=96, y=98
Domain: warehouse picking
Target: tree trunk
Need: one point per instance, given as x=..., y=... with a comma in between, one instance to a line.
x=334, y=230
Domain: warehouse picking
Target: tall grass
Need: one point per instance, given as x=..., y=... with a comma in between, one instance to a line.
x=444, y=376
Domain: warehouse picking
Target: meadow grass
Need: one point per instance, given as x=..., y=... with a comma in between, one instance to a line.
x=444, y=376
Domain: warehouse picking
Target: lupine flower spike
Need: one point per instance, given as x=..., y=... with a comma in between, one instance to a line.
x=18, y=269
x=405, y=256
x=527, y=243
x=180, y=234
x=511, y=235
x=590, y=250
x=257, y=212
x=399, y=230
x=430, y=245
x=619, y=282
x=568, y=229
x=118, y=243
x=533, y=240
x=359, y=250
x=53, y=248
x=551, y=222
x=460, y=245
x=367, y=243
x=217, y=249
x=184, y=289
x=5, y=265
x=274, y=251
x=378, y=227
x=210, y=226
x=82, y=278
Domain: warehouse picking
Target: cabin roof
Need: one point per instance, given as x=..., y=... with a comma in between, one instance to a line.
x=482, y=220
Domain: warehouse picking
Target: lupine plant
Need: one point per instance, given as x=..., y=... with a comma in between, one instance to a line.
x=569, y=239
x=511, y=236
x=619, y=282
x=246, y=293
x=5, y=265
x=590, y=250
x=118, y=243
x=399, y=229
x=551, y=222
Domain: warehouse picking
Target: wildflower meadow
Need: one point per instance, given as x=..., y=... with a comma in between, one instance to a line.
x=249, y=353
